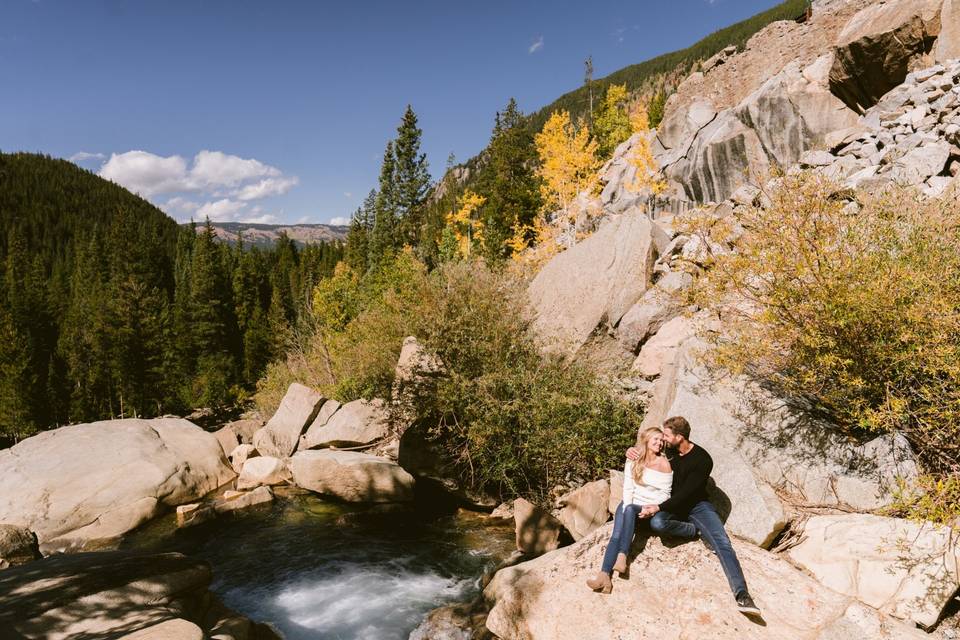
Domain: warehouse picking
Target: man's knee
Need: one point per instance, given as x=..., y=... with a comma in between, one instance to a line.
x=659, y=522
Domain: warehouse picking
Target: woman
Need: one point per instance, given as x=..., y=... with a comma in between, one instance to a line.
x=648, y=481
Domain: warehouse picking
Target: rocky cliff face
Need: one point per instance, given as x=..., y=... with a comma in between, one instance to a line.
x=794, y=84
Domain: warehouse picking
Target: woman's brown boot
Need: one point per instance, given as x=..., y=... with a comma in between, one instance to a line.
x=620, y=566
x=601, y=583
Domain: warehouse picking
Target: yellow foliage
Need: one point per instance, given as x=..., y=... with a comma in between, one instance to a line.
x=467, y=230
x=648, y=173
x=568, y=161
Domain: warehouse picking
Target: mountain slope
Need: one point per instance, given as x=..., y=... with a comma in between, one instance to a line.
x=267, y=235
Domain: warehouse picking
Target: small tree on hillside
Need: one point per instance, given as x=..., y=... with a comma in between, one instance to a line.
x=612, y=124
x=568, y=161
x=648, y=172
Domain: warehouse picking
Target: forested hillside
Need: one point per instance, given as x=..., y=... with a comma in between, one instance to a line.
x=110, y=308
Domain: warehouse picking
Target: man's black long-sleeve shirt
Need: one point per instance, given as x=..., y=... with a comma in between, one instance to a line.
x=690, y=474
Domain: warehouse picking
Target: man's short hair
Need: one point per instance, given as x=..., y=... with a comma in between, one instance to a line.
x=678, y=425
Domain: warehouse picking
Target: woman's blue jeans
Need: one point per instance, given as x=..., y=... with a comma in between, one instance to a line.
x=624, y=521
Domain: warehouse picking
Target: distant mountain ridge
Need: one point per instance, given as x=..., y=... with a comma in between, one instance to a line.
x=266, y=235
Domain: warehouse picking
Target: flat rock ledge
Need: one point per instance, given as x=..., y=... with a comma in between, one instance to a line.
x=114, y=594
x=673, y=592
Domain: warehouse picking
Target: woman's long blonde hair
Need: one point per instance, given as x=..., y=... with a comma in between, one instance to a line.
x=643, y=439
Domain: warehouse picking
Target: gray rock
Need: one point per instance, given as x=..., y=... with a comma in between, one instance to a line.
x=262, y=470
x=596, y=280
x=584, y=510
x=113, y=594
x=297, y=410
x=355, y=424
x=537, y=531
x=652, y=311
x=903, y=568
x=920, y=163
x=93, y=481
x=351, y=476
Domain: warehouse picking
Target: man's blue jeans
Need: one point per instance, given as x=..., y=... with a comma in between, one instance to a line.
x=703, y=518
x=624, y=521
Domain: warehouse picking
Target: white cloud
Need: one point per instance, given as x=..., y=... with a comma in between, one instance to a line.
x=347, y=194
x=267, y=187
x=536, y=46
x=83, y=156
x=212, y=169
x=181, y=206
x=265, y=218
x=340, y=221
x=213, y=173
x=303, y=220
x=146, y=173
x=224, y=210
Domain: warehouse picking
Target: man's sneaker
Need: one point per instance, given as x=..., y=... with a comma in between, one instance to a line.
x=745, y=604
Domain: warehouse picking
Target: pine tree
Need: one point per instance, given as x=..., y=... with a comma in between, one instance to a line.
x=508, y=181
x=411, y=178
x=383, y=240
x=358, y=238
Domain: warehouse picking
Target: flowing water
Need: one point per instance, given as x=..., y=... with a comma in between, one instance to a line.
x=321, y=570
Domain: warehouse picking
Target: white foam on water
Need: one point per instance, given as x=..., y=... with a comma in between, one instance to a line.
x=364, y=603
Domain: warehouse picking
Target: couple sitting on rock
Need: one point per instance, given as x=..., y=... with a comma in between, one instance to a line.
x=665, y=482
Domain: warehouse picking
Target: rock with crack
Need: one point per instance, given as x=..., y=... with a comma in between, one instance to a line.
x=355, y=424
x=903, y=568
x=263, y=470
x=236, y=433
x=595, y=281
x=279, y=437
x=99, y=480
x=674, y=592
x=537, y=531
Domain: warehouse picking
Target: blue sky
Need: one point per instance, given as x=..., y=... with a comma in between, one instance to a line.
x=279, y=111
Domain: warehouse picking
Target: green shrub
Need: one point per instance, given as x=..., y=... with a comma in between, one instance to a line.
x=856, y=309
x=512, y=421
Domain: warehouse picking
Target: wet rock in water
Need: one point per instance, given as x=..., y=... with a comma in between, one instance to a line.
x=679, y=590
x=584, y=510
x=18, y=545
x=503, y=511
x=537, y=531
x=236, y=500
x=297, y=410
x=100, y=480
x=263, y=470
x=903, y=568
x=351, y=476
x=114, y=594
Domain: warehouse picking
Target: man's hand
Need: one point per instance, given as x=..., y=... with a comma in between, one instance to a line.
x=649, y=510
x=633, y=453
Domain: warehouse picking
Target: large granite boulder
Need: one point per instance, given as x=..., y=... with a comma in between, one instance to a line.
x=110, y=594
x=297, y=410
x=351, y=476
x=584, y=510
x=877, y=46
x=355, y=424
x=674, y=592
x=596, y=280
x=263, y=470
x=99, y=480
x=907, y=569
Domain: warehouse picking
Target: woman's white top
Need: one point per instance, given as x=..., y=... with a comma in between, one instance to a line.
x=653, y=488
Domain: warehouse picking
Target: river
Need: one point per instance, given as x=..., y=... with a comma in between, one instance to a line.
x=321, y=570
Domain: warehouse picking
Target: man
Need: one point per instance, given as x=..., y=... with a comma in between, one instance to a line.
x=688, y=510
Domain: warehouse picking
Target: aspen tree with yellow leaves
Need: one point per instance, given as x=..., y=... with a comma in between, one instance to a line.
x=464, y=230
x=568, y=161
x=648, y=173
